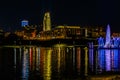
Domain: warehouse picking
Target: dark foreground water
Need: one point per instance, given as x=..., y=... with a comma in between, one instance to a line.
x=58, y=62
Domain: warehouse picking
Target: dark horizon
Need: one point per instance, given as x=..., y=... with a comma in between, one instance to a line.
x=84, y=12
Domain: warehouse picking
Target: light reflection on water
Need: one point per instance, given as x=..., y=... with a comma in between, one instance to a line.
x=62, y=62
x=108, y=60
x=25, y=64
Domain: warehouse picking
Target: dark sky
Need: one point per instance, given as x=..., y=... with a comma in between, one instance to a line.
x=63, y=12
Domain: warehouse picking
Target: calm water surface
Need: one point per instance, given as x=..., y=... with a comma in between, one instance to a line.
x=58, y=62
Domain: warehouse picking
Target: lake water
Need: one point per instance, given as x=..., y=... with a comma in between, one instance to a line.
x=58, y=62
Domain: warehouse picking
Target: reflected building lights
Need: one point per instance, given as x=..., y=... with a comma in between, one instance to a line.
x=86, y=61
x=52, y=62
x=91, y=56
x=112, y=60
x=25, y=66
x=20, y=50
x=63, y=59
x=107, y=60
x=74, y=57
x=59, y=53
x=116, y=59
x=15, y=57
x=78, y=60
x=31, y=59
x=34, y=58
x=101, y=59
x=38, y=57
x=96, y=62
x=42, y=56
x=47, y=65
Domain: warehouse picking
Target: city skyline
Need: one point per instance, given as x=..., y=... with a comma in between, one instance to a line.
x=62, y=12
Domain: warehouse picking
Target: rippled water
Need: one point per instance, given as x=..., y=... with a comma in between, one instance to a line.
x=58, y=62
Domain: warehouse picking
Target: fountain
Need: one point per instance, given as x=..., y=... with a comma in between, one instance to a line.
x=108, y=37
x=107, y=57
x=100, y=42
x=108, y=41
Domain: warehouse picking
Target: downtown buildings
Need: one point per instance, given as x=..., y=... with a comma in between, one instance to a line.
x=47, y=31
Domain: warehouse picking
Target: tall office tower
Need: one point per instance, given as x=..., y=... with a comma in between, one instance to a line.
x=47, y=22
x=24, y=23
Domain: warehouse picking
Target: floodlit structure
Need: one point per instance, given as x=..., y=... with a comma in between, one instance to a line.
x=24, y=23
x=47, y=22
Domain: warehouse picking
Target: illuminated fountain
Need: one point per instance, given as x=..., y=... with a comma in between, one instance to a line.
x=107, y=58
x=108, y=41
x=108, y=38
x=101, y=42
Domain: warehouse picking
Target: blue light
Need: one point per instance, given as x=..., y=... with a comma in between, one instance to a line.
x=101, y=55
x=115, y=59
x=100, y=42
x=24, y=23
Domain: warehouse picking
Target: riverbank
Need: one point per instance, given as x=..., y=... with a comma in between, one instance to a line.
x=103, y=77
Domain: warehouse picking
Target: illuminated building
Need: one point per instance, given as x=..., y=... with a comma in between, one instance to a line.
x=71, y=32
x=24, y=23
x=29, y=32
x=68, y=32
x=1, y=31
x=61, y=32
x=95, y=32
x=1, y=35
x=19, y=33
x=46, y=22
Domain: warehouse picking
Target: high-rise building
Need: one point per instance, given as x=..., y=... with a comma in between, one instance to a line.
x=47, y=22
x=24, y=23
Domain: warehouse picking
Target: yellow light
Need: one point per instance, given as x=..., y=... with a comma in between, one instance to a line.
x=47, y=65
x=60, y=45
x=86, y=60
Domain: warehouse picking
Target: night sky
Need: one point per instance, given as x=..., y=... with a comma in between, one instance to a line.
x=63, y=12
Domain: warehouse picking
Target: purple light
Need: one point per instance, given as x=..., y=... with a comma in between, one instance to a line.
x=108, y=37
x=107, y=56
